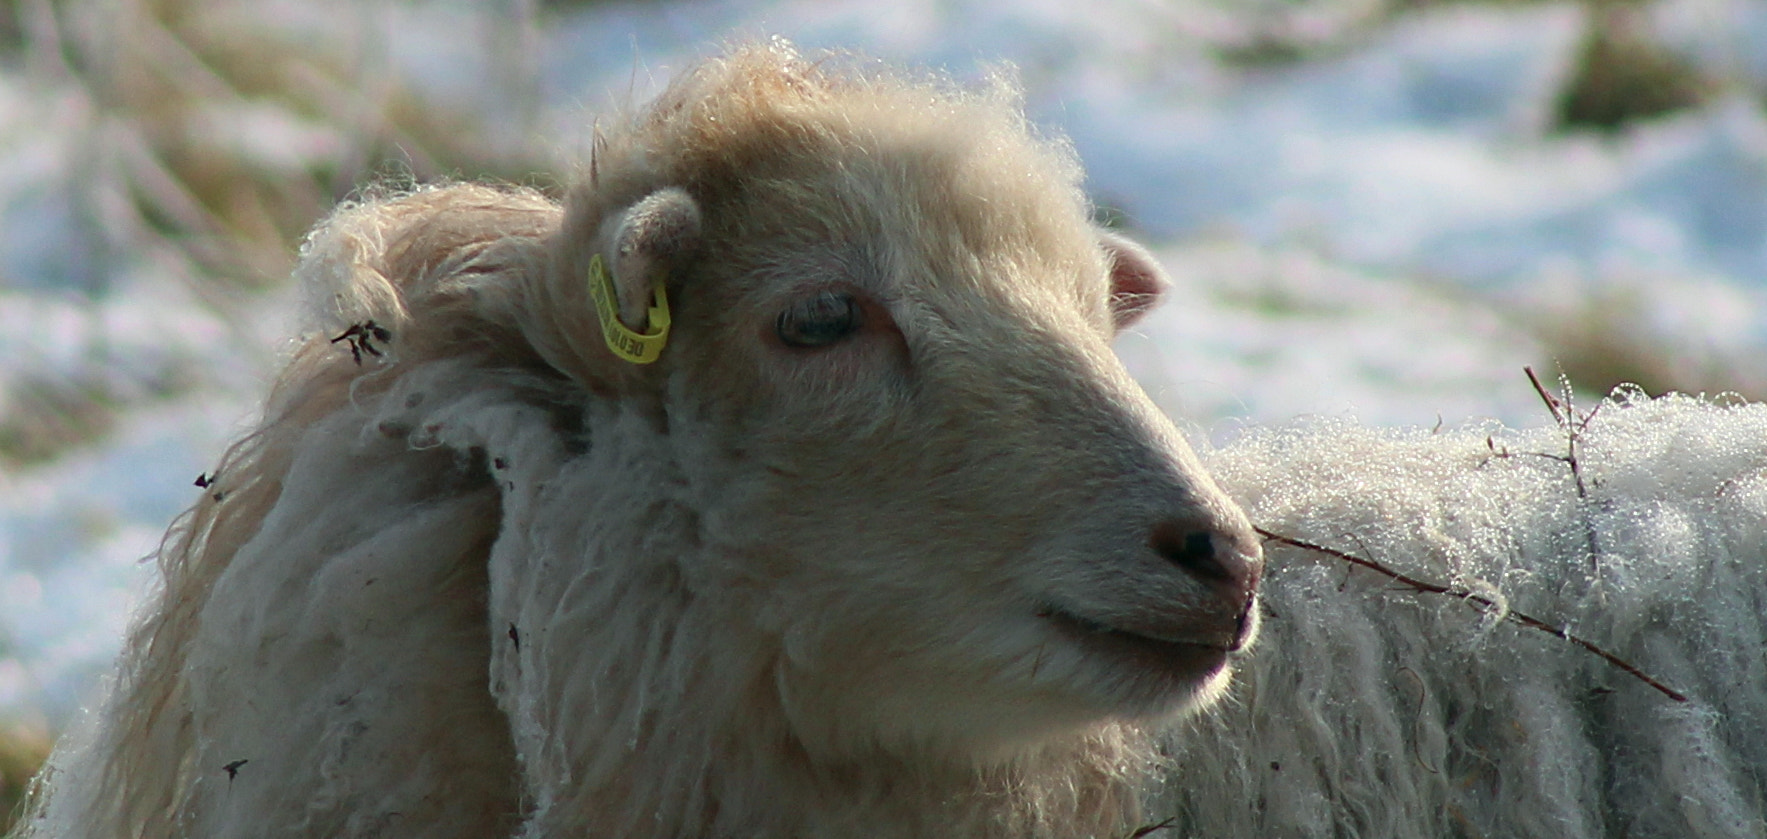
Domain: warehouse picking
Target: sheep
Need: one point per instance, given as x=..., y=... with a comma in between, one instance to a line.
x=1371, y=709
x=778, y=482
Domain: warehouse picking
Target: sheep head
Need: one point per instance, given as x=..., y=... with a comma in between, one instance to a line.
x=887, y=421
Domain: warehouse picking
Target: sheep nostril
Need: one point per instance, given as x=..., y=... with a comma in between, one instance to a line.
x=1193, y=551
x=1211, y=558
x=1198, y=557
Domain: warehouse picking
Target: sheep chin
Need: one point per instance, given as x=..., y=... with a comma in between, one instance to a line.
x=1177, y=668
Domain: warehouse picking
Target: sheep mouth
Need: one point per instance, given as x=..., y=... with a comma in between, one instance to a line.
x=1201, y=655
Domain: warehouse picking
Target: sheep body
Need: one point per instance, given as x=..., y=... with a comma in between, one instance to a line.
x=1373, y=710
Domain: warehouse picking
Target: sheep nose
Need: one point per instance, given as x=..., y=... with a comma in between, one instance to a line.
x=1229, y=562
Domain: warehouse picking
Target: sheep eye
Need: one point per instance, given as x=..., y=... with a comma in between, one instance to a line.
x=819, y=320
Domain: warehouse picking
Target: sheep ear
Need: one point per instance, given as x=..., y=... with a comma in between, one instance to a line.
x=649, y=241
x=1137, y=281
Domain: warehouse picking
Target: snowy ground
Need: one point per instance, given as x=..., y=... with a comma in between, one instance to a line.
x=1352, y=235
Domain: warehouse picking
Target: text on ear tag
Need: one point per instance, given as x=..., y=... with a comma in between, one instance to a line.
x=636, y=347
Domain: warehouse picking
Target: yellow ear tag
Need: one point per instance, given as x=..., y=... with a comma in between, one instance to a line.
x=636, y=347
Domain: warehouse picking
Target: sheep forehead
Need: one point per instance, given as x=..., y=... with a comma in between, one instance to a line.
x=928, y=230
x=917, y=168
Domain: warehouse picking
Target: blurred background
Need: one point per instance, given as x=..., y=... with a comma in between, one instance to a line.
x=1371, y=208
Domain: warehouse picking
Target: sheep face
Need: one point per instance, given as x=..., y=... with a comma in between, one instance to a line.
x=918, y=473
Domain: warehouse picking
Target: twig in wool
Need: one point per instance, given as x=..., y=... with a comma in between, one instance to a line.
x=360, y=338
x=1574, y=423
x=1154, y=828
x=1476, y=599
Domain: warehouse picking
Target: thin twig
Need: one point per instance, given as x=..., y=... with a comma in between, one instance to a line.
x=1558, y=409
x=1153, y=828
x=1477, y=599
x=1564, y=411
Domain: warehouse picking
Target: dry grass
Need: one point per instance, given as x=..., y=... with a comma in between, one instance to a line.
x=51, y=416
x=23, y=747
x=1606, y=337
x=178, y=76
x=1625, y=75
x=213, y=135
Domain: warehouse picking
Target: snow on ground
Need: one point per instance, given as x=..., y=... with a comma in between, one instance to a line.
x=1345, y=234
x=72, y=539
x=1255, y=335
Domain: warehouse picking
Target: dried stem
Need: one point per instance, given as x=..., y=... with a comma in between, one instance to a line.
x=1154, y=828
x=1479, y=600
x=1565, y=413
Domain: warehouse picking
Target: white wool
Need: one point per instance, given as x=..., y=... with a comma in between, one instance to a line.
x=1372, y=710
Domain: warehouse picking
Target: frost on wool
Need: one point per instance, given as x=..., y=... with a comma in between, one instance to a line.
x=1370, y=710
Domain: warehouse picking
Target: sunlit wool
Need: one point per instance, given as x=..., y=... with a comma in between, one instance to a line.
x=1373, y=710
